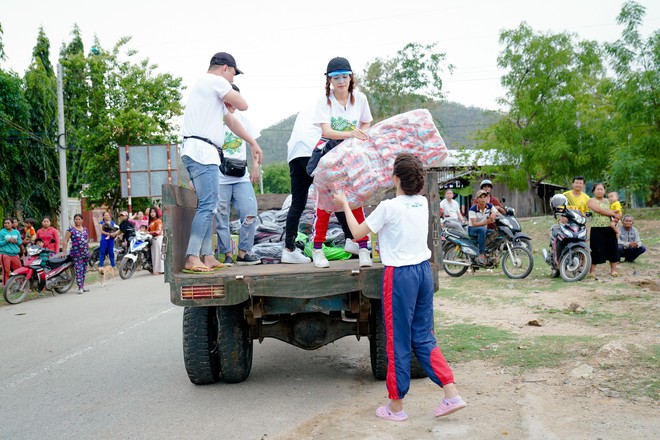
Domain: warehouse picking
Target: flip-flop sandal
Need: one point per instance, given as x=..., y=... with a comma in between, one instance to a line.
x=221, y=266
x=384, y=412
x=197, y=270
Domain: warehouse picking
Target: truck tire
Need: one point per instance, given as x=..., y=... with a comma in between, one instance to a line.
x=200, y=354
x=378, y=343
x=234, y=343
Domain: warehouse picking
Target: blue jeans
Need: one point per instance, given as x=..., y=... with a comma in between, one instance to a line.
x=106, y=247
x=205, y=180
x=241, y=195
x=480, y=233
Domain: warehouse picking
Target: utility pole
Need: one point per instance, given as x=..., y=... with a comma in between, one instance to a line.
x=61, y=141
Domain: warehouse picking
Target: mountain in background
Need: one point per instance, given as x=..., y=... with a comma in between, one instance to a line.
x=458, y=125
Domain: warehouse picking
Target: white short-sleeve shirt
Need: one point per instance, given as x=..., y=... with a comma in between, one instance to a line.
x=402, y=227
x=204, y=117
x=236, y=148
x=340, y=117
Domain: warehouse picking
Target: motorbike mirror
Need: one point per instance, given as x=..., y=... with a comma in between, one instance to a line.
x=503, y=199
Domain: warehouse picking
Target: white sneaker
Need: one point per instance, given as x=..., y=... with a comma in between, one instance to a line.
x=294, y=257
x=351, y=247
x=365, y=258
x=319, y=258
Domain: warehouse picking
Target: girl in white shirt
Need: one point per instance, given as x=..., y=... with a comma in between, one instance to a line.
x=343, y=113
x=407, y=294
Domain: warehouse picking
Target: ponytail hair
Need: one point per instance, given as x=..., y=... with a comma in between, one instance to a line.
x=410, y=171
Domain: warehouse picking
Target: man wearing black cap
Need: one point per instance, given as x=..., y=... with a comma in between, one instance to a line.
x=203, y=134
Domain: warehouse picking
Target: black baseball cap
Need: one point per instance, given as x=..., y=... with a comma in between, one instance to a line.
x=225, y=59
x=339, y=66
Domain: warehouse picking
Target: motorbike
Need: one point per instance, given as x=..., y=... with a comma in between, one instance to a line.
x=569, y=254
x=42, y=270
x=138, y=256
x=119, y=251
x=461, y=251
x=510, y=221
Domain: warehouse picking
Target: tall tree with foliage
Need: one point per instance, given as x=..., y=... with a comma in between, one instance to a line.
x=128, y=103
x=40, y=165
x=76, y=111
x=556, y=108
x=635, y=163
x=411, y=79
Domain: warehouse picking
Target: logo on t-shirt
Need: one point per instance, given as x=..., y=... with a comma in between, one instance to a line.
x=341, y=124
x=232, y=143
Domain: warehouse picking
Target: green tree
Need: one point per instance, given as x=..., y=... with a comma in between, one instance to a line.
x=411, y=79
x=76, y=111
x=276, y=179
x=128, y=103
x=636, y=96
x=556, y=108
x=40, y=160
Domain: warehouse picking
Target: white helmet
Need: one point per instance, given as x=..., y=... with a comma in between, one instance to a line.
x=558, y=202
x=485, y=182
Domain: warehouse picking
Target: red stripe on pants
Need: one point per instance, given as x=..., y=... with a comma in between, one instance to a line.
x=390, y=378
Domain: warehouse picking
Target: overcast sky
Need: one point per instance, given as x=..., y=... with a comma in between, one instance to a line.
x=284, y=46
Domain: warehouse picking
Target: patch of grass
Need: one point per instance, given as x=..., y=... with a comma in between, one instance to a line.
x=466, y=342
x=640, y=378
x=589, y=316
x=547, y=351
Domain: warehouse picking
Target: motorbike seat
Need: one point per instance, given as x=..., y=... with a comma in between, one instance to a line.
x=57, y=261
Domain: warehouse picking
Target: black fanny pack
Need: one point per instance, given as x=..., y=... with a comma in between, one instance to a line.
x=228, y=166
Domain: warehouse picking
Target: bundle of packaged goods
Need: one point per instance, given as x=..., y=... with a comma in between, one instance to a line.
x=363, y=168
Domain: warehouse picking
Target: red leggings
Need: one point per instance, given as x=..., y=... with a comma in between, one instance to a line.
x=9, y=264
x=323, y=219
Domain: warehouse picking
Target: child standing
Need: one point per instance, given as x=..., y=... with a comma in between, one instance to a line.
x=407, y=295
x=615, y=206
x=343, y=113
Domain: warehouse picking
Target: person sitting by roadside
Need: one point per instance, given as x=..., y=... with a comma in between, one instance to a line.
x=487, y=186
x=630, y=245
x=126, y=228
x=481, y=215
x=450, y=207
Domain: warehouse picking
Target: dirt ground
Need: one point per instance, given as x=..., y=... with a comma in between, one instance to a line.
x=583, y=398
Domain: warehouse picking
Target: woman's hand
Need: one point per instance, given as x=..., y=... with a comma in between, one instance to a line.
x=340, y=198
x=359, y=134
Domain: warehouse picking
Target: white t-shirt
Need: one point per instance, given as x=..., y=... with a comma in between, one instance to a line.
x=304, y=136
x=204, y=117
x=236, y=148
x=343, y=118
x=450, y=208
x=402, y=227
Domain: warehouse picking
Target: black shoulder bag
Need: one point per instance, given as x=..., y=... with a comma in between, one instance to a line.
x=319, y=152
x=228, y=166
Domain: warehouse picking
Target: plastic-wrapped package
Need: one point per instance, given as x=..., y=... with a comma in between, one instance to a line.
x=268, y=250
x=363, y=168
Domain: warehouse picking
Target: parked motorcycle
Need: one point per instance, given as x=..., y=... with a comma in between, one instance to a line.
x=138, y=256
x=119, y=251
x=569, y=254
x=510, y=221
x=42, y=270
x=461, y=251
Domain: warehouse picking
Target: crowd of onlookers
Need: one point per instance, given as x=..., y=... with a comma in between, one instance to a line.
x=612, y=235
x=16, y=237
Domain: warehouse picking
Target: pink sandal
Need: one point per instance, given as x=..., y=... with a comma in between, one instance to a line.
x=384, y=412
x=446, y=407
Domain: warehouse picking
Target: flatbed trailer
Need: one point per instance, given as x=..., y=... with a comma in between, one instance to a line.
x=228, y=309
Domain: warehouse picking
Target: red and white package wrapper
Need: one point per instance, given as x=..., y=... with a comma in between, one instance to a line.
x=364, y=168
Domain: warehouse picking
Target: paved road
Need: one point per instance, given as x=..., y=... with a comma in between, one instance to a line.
x=108, y=365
